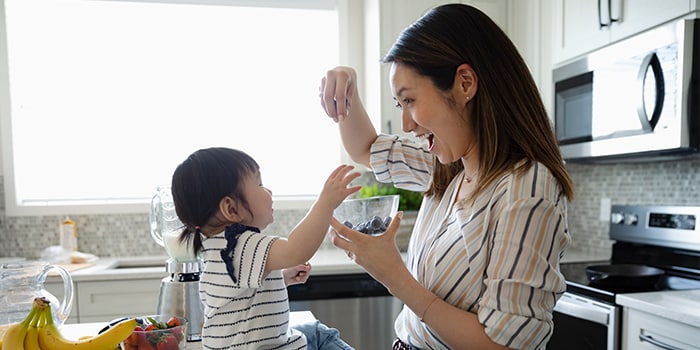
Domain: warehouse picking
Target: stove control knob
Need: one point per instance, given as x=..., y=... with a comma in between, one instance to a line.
x=617, y=218
x=631, y=219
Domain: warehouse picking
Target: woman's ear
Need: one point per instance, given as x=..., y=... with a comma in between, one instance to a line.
x=466, y=83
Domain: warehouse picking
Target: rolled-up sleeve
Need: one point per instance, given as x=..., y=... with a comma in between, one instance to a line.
x=401, y=161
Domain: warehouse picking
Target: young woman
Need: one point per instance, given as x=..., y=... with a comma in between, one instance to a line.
x=483, y=259
x=220, y=198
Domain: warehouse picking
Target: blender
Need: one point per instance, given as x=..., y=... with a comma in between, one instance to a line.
x=179, y=291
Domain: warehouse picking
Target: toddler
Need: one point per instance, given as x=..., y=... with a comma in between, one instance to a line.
x=220, y=198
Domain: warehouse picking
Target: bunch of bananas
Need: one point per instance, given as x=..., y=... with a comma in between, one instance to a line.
x=38, y=332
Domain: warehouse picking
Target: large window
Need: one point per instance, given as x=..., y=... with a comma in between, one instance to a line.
x=105, y=98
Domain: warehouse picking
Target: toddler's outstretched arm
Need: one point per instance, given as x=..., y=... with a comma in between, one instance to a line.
x=308, y=235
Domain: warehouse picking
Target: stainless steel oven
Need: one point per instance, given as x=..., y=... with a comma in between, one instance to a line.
x=659, y=238
x=596, y=324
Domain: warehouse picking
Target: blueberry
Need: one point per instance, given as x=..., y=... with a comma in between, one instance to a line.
x=387, y=221
x=376, y=222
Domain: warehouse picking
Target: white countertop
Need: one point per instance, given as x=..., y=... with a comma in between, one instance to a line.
x=75, y=331
x=677, y=305
x=324, y=262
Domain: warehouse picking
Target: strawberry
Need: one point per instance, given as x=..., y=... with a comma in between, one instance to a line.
x=173, y=322
x=168, y=343
x=134, y=338
x=146, y=344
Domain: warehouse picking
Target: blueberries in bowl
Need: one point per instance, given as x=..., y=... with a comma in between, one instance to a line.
x=374, y=226
x=365, y=214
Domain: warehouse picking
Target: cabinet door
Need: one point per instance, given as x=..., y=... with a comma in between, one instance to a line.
x=639, y=325
x=640, y=15
x=103, y=301
x=577, y=28
x=577, y=23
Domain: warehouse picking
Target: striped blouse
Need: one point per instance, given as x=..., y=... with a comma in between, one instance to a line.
x=251, y=313
x=498, y=258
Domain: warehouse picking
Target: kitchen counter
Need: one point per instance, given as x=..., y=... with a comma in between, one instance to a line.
x=325, y=262
x=678, y=305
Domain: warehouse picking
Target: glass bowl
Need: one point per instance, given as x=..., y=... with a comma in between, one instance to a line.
x=168, y=337
x=370, y=215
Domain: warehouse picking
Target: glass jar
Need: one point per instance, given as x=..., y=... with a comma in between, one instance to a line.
x=21, y=282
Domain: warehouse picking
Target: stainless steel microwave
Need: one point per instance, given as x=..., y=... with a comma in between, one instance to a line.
x=635, y=99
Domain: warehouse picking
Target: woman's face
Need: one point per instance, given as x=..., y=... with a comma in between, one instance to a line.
x=259, y=200
x=429, y=114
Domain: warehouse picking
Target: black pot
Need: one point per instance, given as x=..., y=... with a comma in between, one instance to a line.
x=627, y=276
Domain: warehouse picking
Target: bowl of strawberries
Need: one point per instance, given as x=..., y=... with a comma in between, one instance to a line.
x=157, y=332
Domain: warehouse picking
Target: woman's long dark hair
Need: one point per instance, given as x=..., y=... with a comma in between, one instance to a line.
x=202, y=181
x=509, y=117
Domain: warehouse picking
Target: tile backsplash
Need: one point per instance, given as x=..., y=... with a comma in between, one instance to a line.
x=659, y=183
x=668, y=183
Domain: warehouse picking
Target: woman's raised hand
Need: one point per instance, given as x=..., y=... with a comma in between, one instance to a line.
x=337, y=90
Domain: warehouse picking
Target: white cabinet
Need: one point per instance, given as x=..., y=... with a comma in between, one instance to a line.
x=529, y=26
x=103, y=301
x=646, y=331
x=581, y=26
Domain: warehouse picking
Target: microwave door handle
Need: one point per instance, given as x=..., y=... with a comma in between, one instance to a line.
x=651, y=61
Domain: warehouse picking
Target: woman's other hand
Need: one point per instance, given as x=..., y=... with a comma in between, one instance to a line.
x=378, y=255
x=337, y=90
x=296, y=275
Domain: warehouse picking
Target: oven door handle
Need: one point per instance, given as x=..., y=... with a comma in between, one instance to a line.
x=649, y=339
x=583, y=308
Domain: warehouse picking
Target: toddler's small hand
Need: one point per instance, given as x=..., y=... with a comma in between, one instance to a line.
x=296, y=275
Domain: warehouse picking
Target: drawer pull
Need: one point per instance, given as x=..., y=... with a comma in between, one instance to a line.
x=649, y=339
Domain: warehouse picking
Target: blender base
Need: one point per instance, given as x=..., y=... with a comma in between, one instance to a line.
x=182, y=299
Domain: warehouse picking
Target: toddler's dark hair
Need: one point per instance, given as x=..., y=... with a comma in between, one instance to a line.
x=202, y=180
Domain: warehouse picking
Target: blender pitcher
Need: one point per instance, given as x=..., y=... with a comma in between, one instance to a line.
x=166, y=227
x=21, y=282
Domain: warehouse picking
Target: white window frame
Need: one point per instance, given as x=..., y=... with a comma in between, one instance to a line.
x=351, y=53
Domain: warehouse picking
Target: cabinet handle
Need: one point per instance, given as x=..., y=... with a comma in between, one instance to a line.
x=610, y=18
x=649, y=339
x=600, y=15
